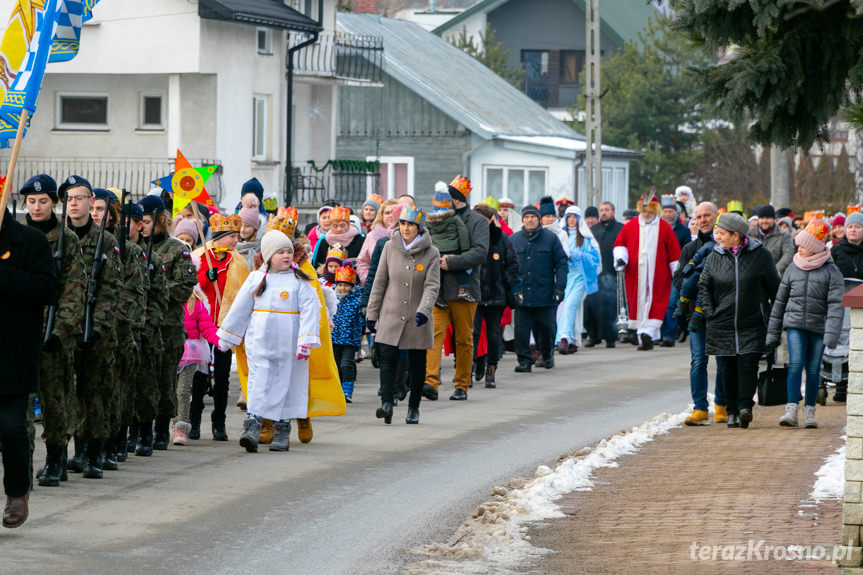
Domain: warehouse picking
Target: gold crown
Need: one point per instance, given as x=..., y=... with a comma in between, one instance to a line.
x=346, y=274
x=337, y=252
x=340, y=214
x=284, y=220
x=220, y=223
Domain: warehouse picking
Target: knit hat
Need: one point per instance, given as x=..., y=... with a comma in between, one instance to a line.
x=682, y=190
x=249, y=216
x=838, y=220
x=787, y=221
x=854, y=218
x=767, y=211
x=74, y=182
x=374, y=201
x=253, y=186
x=441, y=187
x=336, y=254
x=41, y=184
x=184, y=226
x=733, y=223
x=149, y=205
x=630, y=214
x=323, y=209
x=272, y=242
x=357, y=223
x=441, y=201
x=813, y=236
x=529, y=210
x=460, y=188
x=591, y=212
x=784, y=212
x=221, y=226
x=546, y=207
x=506, y=203
x=681, y=208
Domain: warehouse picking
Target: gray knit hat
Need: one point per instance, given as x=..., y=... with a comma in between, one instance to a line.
x=733, y=223
x=854, y=218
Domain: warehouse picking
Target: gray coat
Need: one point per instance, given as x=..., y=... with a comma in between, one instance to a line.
x=406, y=283
x=472, y=259
x=810, y=301
x=780, y=244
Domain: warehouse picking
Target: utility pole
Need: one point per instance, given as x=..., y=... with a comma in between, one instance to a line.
x=779, y=184
x=593, y=113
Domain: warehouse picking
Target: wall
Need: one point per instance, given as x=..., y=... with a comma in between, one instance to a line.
x=315, y=120
x=615, y=184
x=852, y=500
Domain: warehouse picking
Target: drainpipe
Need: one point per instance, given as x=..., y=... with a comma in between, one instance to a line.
x=577, y=165
x=290, y=116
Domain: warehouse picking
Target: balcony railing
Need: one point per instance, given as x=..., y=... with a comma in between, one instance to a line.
x=312, y=187
x=549, y=95
x=342, y=56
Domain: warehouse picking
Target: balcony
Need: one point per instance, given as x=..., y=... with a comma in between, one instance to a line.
x=348, y=182
x=552, y=95
x=353, y=59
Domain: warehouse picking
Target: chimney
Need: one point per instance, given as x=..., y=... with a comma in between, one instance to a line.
x=367, y=6
x=432, y=6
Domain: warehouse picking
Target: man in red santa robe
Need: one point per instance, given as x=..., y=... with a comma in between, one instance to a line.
x=648, y=250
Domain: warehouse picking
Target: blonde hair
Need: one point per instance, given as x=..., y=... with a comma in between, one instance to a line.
x=197, y=295
x=379, y=218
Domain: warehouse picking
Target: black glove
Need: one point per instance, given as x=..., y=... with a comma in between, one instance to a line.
x=88, y=345
x=370, y=325
x=52, y=344
x=212, y=274
x=421, y=319
x=558, y=294
x=619, y=265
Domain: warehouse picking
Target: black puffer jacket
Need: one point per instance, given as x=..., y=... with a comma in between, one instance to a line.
x=811, y=301
x=848, y=258
x=736, y=293
x=499, y=274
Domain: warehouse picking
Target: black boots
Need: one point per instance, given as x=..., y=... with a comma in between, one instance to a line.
x=93, y=470
x=195, y=421
x=132, y=439
x=109, y=458
x=385, y=412
x=120, y=444
x=76, y=464
x=489, y=376
x=413, y=416
x=53, y=467
x=145, y=439
x=219, y=433
x=479, y=368
x=163, y=434
x=646, y=343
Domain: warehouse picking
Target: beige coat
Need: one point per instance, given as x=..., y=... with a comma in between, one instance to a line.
x=406, y=283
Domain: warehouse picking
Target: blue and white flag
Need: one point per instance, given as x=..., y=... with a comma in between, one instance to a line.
x=67, y=39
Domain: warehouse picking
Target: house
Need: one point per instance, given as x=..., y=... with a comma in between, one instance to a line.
x=547, y=37
x=442, y=113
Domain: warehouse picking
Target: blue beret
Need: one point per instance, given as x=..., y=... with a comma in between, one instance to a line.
x=149, y=204
x=72, y=182
x=39, y=184
x=107, y=195
x=134, y=211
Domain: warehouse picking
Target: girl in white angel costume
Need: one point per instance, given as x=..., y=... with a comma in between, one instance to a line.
x=276, y=312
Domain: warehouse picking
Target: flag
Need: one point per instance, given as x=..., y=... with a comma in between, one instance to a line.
x=16, y=40
x=67, y=39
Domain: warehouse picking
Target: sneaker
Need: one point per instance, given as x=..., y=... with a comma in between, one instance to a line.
x=790, y=417
x=746, y=418
x=809, y=417
x=464, y=294
x=720, y=414
x=251, y=433
x=440, y=303
x=181, y=433
x=282, y=437
x=697, y=417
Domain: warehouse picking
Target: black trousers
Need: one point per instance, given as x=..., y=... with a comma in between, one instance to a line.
x=16, y=444
x=600, y=310
x=542, y=322
x=491, y=314
x=389, y=360
x=346, y=359
x=221, y=379
x=739, y=380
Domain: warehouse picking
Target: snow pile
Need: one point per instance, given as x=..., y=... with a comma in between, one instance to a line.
x=831, y=477
x=495, y=535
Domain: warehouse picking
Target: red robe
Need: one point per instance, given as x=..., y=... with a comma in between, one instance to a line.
x=667, y=251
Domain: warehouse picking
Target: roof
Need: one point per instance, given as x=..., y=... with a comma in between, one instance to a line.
x=620, y=20
x=577, y=146
x=454, y=82
x=266, y=13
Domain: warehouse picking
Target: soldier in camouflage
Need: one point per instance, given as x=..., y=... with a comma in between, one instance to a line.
x=56, y=370
x=94, y=359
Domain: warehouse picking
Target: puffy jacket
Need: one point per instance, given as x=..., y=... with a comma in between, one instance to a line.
x=681, y=232
x=735, y=295
x=542, y=265
x=848, y=258
x=500, y=271
x=348, y=322
x=811, y=301
x=780, y=244
x=199, y=324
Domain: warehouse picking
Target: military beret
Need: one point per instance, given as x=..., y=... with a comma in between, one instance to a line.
x=74, y=182
x=40, y=184
x=149, y=204
x=107, y=195
x=134, y=210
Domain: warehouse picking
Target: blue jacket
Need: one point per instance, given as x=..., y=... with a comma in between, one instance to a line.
x=542, y=266
x=348, y=323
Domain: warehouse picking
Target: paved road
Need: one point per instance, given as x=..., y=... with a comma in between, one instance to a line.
x=355, y=498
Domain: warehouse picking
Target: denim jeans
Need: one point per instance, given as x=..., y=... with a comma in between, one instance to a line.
x=698, y=372
x=804, y=353
x=669, y=325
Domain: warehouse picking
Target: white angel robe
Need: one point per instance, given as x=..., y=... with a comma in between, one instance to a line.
x=273, y=326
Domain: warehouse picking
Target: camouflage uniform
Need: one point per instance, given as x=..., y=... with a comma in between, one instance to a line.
x=146, y=382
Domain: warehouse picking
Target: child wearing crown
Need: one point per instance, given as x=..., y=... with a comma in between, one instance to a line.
x=341, y=233
x=276, y=313
x=348, y=327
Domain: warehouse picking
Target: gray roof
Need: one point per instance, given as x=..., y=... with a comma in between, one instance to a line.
x=267, y=13
x=454, y=82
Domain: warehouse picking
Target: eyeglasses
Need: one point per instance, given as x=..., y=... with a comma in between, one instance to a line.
x=80, y=198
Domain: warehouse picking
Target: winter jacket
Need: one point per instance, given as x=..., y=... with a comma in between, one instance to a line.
x=472, y=259
x=364, y=260
x=681, y=232
x=542, y=265
x=687, y=252
x=373, y=269
x=199, y=324
x=407, y=283
x=348, y=322
x=780, y=244
x=448, y=232
x=848, y=258
x=249, y=250
x=811, y=301
x=735, y=294
x=500, y=271
x=605, y=234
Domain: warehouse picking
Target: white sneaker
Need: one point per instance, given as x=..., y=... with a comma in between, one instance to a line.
x=809, y=416
x=790, y=417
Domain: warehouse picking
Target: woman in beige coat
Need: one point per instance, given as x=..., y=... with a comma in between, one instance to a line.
x=401, y=304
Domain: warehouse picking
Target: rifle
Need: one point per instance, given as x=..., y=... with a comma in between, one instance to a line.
x=15, y=208
x=150, y=242
x=98, y=263
x=58, y=261
x=121, y=227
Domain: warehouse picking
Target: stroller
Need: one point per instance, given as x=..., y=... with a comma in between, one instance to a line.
x=834, y=362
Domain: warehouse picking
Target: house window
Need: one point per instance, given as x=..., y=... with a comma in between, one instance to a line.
x=525, y=185
x=571, y=65
x=265, y=41
x=82, y=111
x=536, y=75
x=396, y=175
x=259, y=128
x=151, y=112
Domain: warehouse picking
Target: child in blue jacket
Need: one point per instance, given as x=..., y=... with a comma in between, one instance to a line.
x=689, y=289
x=348, y=327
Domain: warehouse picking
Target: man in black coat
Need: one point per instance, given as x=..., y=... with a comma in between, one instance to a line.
x=28, y=282
x=600, y=316
x=542, y=266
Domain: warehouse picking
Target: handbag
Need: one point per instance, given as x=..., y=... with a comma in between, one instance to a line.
x=773, y=384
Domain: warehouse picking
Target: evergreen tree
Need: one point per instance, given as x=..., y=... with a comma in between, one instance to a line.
x=492, y=54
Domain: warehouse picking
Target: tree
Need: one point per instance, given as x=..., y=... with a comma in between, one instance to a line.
x=492, y=54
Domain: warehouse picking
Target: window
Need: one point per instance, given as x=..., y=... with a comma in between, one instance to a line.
x=571, y=65
x=536, y=75
x=151, y=112
x=525, y=185
x=259, y=128
x=82, y=111
x=396, y=176
x=265, y=41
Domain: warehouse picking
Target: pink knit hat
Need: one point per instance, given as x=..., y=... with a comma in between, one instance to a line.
x=184, y=226
x=250, y=217
x=813, y=236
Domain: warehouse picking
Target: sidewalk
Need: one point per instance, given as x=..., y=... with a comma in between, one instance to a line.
x=705, y=485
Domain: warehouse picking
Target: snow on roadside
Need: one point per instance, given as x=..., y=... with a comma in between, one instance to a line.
x=495, y=537
x=830, y=482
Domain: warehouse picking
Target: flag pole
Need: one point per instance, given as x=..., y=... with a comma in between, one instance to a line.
x=209, y=261
x=7, y=187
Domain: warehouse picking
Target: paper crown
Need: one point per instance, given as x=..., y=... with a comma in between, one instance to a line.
x=220, y=224
x=442, y=200
x=492, y=202
x=376, y=198
x=271, y=204
x=722, y=211
x=818, y=230
x=851, y=209
x=735, y=206
x=346, y=274
x=462, y=185
x=284, y=220
x=416, y=216
x=668, y=201
x=340, y=214
x=337, y=253
x=813, y=215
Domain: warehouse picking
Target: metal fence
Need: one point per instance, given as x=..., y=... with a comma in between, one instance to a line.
x=343, y=56
x=311, y=188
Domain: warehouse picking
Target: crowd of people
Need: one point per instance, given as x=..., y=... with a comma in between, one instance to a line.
x=126, y=318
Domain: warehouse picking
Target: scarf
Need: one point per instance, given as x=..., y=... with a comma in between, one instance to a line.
x=83, y=230
x=44, y=226
x=735, y=251
x=328, y=275
x=812, y=262
x=344, y=239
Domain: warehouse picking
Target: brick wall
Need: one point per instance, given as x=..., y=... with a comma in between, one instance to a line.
x=367, y=6
x=852, y=508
